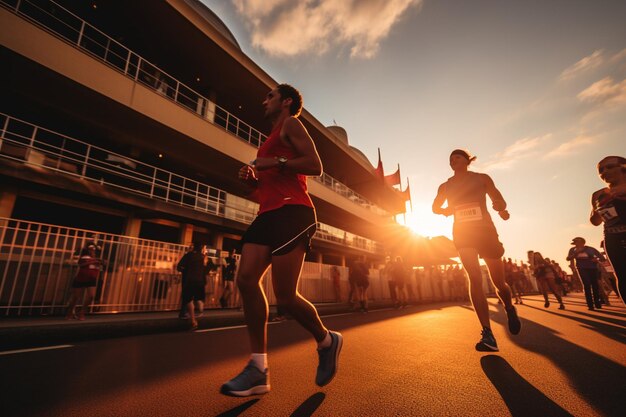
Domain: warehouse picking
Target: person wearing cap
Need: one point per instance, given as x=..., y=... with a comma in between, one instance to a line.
x=475, y=236
x=586, y=260
x=608, y=206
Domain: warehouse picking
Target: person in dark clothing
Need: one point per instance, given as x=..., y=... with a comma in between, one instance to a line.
x=194, y=267
x=229, y=266
x=587, y=259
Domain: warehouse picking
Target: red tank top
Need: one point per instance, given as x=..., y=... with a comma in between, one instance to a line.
x=275, y=188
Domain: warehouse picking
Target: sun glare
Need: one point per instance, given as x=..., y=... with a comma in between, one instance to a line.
x=424, y=223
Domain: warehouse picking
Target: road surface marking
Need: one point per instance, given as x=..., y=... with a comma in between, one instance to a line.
x=220, y=328
x=11, y=352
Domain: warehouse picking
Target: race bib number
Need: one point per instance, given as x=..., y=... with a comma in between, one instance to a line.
x=608, y=213
x=468, y=213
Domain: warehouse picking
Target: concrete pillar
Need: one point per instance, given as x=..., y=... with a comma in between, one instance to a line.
x=219, y=241
x=133, y=227
x=8, y=196
x=186, y=234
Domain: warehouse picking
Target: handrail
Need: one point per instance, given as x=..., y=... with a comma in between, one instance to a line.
x=37, y=146
x=78, y=33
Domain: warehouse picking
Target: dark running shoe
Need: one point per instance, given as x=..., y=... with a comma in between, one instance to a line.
x=546, y=304
x=562, y=306
x=329, y=359
x=515, y=325
x=487, y=342
x=251, y=381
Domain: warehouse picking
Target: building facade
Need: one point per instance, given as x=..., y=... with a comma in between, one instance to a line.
x=131, y=119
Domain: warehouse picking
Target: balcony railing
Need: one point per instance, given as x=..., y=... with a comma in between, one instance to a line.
x=64, y=24
x=42, y=148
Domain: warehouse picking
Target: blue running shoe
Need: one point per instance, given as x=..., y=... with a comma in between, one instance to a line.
x=251, y=381
x=329, y=359
x=487, y=342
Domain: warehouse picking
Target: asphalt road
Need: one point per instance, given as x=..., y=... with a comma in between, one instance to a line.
x=418, y=361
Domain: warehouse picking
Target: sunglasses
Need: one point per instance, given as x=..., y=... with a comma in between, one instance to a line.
x=607, y=166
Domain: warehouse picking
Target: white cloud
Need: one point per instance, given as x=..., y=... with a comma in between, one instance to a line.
x=520, y=149
x=605, y=91
x=570, y=146
x=289, y=28
x=586, y=64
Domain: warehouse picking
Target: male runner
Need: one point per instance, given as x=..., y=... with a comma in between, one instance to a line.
x=475, y=235
x=280, y=236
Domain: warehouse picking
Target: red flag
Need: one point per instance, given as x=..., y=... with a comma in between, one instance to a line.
x=407, y=193
x=393, y=179
x=379, y=168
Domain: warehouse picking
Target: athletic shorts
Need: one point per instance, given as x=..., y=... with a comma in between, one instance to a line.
x=86, y=278
x=193, y=292
x=362, y=282
x=482, y=238
x=283, y=229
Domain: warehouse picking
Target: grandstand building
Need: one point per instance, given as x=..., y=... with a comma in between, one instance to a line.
x=131, y=119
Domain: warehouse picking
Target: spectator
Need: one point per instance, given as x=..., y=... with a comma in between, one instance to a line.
x=386, y=273
x=360, y=275
x=398, y=276
x=229, y=267
x=85, y=281
x=195, y=268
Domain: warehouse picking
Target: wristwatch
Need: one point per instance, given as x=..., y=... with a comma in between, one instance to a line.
x=281, y=162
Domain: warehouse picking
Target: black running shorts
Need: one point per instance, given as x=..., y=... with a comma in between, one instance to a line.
x=193, y=291
x=283, y=229
x=482, y=238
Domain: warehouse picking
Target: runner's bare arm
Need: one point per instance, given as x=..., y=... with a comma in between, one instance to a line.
x=439, y=200
x=307, y=161
x=497, y=201
x=247, y=175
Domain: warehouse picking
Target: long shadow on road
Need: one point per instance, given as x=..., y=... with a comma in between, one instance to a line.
x=96, y=368
x=597, y=379
x=612, y=332
x=521, y=397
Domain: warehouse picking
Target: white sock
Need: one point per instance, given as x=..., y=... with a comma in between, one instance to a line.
x=325, y=342
x=259, y=360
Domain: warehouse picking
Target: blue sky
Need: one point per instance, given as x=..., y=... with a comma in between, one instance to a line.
x=535, y=89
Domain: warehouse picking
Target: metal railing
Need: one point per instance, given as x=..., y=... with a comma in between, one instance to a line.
x=62, y=23
x=39, y=261
x=45, y=149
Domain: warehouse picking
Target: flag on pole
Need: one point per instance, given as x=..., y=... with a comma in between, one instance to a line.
x=407, y=193
x=379, y=168
x=393, y=179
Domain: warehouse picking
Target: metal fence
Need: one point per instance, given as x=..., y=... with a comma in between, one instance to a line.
x=62, y=23
x=39, y=261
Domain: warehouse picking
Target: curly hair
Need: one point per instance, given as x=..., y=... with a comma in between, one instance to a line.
x=287, y=91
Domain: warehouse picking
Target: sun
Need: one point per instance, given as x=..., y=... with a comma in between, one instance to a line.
x=424, y=222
